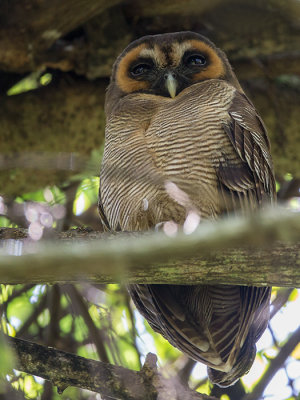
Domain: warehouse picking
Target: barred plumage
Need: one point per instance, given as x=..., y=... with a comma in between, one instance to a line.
x=181, y=135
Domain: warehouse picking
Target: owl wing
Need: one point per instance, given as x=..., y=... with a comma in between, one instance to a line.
x=254, y=317
x=169, y=318
x=103, y=218
x=225, y=340
x=247, y=184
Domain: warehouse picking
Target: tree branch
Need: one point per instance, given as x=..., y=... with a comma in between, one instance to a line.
x=29, y=28
x=81, y=308
x=31, y=32
x=259, y=250
x=274, y=366
x=111, y=381
x=281, y=298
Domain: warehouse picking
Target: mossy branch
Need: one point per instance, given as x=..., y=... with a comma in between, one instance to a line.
x=111, y=381
x=259, y=250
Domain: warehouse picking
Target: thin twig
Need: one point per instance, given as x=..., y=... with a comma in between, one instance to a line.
x=40, y=307
x=133, y=330
x=96, y=334
x=274, y=366
x=185, y=371
x=282, y=297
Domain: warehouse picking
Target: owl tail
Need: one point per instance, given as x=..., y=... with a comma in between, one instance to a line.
x=241, y=367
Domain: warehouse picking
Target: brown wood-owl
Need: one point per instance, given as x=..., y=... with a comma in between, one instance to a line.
x=181, y=135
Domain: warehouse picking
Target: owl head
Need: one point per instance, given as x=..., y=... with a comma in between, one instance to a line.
x=165, y=65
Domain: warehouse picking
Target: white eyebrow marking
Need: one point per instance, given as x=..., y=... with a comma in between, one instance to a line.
x=178, y=50
x=156, y=54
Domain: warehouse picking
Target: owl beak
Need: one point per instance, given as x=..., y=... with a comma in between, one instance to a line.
x=171, y=84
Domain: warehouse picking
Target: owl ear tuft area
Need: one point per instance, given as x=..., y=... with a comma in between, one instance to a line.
x=123, y=79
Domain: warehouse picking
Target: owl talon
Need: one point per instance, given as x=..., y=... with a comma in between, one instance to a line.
x=170, y=228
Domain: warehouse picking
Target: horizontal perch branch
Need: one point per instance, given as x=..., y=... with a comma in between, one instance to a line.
x=260, y=250
x=111, y=381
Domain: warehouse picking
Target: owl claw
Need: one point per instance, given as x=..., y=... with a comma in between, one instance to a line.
x=145, y=204
x=170, y=228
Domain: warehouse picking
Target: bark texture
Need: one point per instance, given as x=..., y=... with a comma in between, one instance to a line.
x=111, y=381
x=266, y=253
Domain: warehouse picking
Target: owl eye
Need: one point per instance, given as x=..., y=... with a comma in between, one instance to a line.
x=140, y=69
x=196, y=59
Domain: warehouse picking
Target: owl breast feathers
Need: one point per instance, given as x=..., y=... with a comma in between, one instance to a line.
x=182, y=136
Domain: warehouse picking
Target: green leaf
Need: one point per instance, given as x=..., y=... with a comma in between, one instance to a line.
x=7, y=357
